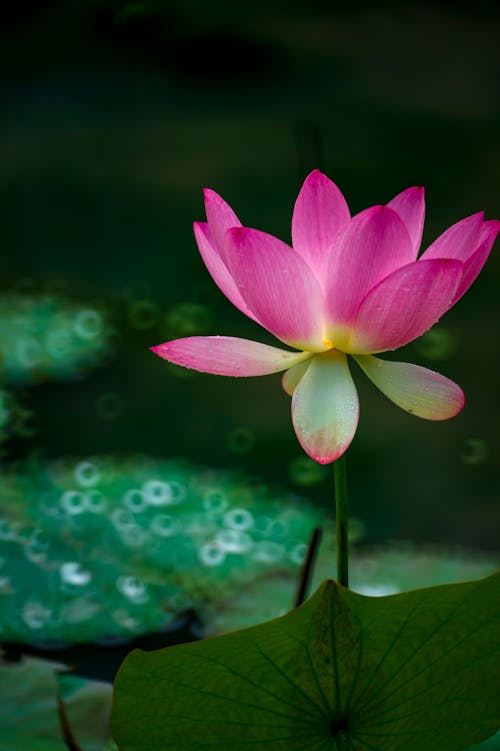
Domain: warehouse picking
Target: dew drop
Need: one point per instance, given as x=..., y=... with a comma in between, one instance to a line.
x=233, y=541
x=215, y=500
x=164, y=525
x=178, y=492
x=134, y=589
x=134, y=500
x=95, y=501
x=122, y=519
x=157, y=493
x=238, y=518
x=72, y=572
x=211, y=555
x=133, y=536
x=73, y=502
x=35, y=615
x=268, y=552
x=87, y=474
x=88, y=324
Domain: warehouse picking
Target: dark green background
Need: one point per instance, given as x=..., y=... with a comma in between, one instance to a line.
x=115, y=115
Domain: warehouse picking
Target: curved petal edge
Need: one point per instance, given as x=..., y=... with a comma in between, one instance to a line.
x=410, y=205
x=405, y=305
x=228, y=355
x=278, y=286
x=459, y=241
x=372, y=246
x=220, y=218
x=320, y=212
x=419, y=391
x=217, y=268
x=292, y=377
x=476, y=261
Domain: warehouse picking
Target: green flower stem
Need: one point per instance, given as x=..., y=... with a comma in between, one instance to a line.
x=342, y=521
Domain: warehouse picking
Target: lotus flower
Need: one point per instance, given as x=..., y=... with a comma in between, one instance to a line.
x=347, y=286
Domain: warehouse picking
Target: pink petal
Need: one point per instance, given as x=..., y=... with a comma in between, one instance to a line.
x=410, y=205
x=227, y=355
x=459, y=241
x=291, y=378
x=405, y=304
x=417, y=390
x=320, y=212
x=325, y=407
x=278, y=286
x=217, y=268
x=476, y=261
x=374, y=244
x=220, y=218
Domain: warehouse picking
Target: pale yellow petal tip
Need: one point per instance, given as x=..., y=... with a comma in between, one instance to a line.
x=449, y=409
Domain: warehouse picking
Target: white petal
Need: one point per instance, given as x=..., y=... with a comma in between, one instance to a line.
x=325, y=407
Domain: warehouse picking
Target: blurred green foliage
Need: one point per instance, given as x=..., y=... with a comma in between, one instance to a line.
x=114, y=547
x=28, y=708
x=46, y=337
x=114, y=116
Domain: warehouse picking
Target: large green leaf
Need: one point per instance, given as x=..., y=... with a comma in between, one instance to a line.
x=406, y=672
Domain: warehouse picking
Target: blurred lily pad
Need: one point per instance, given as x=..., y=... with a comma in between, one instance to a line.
x=387, y=569
x=46, y=337
x=28, y=708
x=107, y=546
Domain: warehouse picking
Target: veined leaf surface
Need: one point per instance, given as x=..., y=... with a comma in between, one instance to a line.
x=347, y=672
